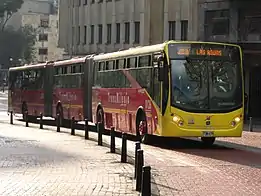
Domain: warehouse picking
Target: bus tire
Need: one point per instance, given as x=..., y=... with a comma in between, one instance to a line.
x=100, y=116
x=141, y=128
x=24, y=109
x=208, y=141
x=59, y=110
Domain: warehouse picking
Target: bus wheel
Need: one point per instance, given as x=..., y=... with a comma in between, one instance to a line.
x=142, y=131
x=208, y=141
x=59, y=110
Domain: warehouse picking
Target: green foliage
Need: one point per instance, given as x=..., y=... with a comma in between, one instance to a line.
x=17, y=45
x=7, y=9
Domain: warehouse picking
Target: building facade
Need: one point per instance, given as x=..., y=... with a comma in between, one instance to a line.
x=237, y=21
x=42, y=15
x=98, y=26
x=46, y=26
x=31, y=6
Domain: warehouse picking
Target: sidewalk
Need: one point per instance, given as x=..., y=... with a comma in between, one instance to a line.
x=249, y=141
x=41, y=162
x=194, y=172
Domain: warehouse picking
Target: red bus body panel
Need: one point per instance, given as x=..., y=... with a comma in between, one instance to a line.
x=71, y=100
x=120, y=108
x=34, y=100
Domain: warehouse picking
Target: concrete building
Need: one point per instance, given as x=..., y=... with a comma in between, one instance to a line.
x=47, y=36
x=237, y=21
x=43, y=17
x=96, y=26
x=31, y=6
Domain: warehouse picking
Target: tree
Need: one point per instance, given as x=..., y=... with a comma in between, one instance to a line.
x=17, y=45
x=7, y=9
x=29, y=38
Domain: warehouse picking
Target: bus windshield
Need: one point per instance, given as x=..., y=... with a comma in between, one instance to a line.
x=206, y=84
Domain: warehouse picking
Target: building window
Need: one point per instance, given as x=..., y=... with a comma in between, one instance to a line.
x=73, y=33
x=172, y=30
x=79, y=35
x=216, y=23
x=44, y=23
x=85, y=2
x=249, y=27
x=118, y=33
x=108, y=33
x=43, y=51
x=100, y=34
x=184, y=30
x=127, y=33
x=43, y=37
x=92, y=34
x=85, y=35
x=137, y=32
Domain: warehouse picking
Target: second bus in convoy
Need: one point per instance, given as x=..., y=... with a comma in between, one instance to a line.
x=173, y=89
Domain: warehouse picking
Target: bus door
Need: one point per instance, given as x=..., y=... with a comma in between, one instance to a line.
x=160, y=88
x=48, y=76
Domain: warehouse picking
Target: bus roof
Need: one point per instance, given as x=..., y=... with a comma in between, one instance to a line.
x=24, y=67
x=130, y=52
x=70, y=61
x=141, y=50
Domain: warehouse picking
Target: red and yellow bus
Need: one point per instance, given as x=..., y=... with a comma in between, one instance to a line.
x=173, y=89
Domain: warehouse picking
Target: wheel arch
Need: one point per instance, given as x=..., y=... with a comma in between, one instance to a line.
x=140, y=112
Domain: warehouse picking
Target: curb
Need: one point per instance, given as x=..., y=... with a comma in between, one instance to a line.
x=239, y=146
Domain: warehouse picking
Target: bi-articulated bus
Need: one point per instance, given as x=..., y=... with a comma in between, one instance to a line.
x=173, y=89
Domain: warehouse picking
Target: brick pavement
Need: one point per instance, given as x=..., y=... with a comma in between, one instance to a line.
x=198, y=171
x=249, y=141
x=41, y=162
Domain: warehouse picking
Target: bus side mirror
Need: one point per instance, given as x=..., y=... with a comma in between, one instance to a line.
x=160, y=69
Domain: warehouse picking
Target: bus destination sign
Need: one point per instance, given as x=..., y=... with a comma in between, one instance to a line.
x=197, y=50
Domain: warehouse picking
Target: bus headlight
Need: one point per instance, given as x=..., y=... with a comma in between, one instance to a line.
x=178, y=120
x=235, y=121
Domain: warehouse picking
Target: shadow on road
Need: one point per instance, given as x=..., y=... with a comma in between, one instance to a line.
x=17, y=153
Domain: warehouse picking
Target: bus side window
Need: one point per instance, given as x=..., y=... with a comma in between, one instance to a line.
x=131, y=62
x=101, y=66
x=107, y=65
x=65, y=70
x=95, y=74
x=121, y=63
x=144, y=61
x=110, y=65
x=117, y=64
x=73, y=68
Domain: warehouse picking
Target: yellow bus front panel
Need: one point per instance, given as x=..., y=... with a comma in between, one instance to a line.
x=184, y=124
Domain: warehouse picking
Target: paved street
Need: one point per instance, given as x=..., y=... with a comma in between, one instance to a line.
x=57, y=160
x=193, y=171
x=35, y=162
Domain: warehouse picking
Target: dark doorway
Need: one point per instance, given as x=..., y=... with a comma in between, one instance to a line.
x=255, y=93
